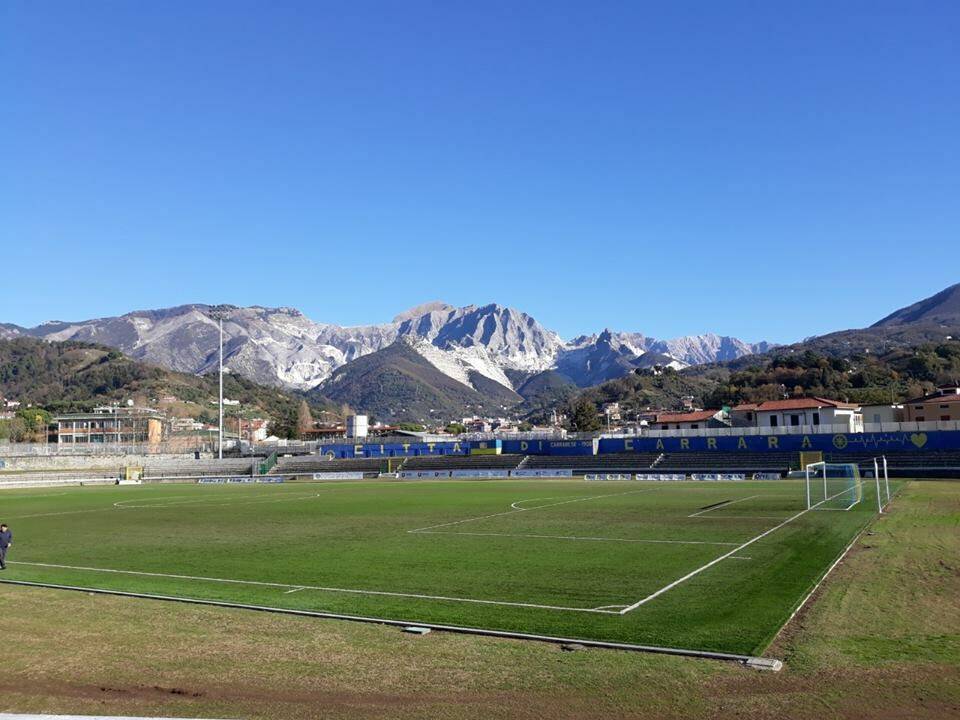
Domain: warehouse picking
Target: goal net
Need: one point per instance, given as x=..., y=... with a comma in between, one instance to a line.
x=833, y=486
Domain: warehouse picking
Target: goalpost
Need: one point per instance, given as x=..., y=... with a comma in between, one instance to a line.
x=886, y=479
x=838, y=486
x=833, y=486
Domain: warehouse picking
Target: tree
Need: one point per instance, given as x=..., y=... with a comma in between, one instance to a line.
x=456, y=428
x=304, y=419
x=583, y=416
x=35, y=423
x=14, y=430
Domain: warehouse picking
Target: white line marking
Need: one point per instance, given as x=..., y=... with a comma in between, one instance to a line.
x=744, y=517
x=352, y=591
x=393, y=622
x=723, y=504
x=569, y=537
x=28, y=496
x=826, y=574
x=296, y=589
x=207, y=502
x=535, y=507
x=67, y=512
x=516, y=505
x=740, y=557
x=121, y=503
x=667, y=588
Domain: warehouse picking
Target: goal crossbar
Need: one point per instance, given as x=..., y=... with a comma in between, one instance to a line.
x=849, y=472
x=825, y=473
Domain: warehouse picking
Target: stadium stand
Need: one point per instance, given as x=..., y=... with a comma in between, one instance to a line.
x=17, y=479
x=934, y=463
x=198, y=468
x=463, y=462
x=729, y=462
x=319, y=463
x=612, y=462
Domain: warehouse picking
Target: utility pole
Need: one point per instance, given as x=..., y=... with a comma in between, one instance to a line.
x=220, y=444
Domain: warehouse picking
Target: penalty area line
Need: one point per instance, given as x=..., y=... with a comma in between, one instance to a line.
x=680, y=581
x=350, y=591
x=572, y=537
x=526, y=509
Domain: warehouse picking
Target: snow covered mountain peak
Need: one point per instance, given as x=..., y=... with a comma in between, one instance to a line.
x=281, y=346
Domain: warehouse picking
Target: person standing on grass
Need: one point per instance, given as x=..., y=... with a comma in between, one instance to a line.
x=6, y=540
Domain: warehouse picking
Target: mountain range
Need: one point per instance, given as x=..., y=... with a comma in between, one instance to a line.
x=436, y=360
x=489, y=350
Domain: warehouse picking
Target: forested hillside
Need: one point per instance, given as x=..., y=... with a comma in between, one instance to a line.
x=893, y=376
x=72, y=376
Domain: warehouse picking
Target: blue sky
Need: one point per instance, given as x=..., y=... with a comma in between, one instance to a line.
x=767, y=170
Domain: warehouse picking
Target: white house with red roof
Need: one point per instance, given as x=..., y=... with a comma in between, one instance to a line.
x=744, y=415
x=809, y=411
x=695, y=420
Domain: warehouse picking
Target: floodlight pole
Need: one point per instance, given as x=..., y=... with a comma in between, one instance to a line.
x=876, y=478
x=220, y=444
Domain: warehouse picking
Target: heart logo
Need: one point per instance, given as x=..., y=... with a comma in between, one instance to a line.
x=919, y=439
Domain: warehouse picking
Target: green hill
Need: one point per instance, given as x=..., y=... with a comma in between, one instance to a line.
x=397, y=384
x=74, y=376
x=894, y=375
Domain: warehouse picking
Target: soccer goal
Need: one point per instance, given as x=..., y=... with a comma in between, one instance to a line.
x=833, y=486
x=883, y=490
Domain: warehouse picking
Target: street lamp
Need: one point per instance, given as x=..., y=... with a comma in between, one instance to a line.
x=217, y=314
x=220, y=443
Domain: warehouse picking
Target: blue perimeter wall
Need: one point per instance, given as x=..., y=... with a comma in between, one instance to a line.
x=839, y=443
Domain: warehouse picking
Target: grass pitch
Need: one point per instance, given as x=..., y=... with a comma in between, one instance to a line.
x=708, y=566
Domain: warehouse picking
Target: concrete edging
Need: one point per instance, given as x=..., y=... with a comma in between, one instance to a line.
x=746, y=660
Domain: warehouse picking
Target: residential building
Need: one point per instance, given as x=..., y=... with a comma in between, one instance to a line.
x=689, y=420
x=180, y=425
x=257, y=428
x=611, y=410
x=811, y=411
x=477, y=424
x=110, y=424
x=941, y=405
x=357, y=426
x=744, y=415
x=882, y=413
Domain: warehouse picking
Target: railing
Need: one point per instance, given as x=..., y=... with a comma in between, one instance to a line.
x=267, y=465
x=8, y=449
x=481, y=436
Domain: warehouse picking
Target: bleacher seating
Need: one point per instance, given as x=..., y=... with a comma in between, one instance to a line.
x=189, y=467
x=608, y=462
x=320, y=463
x=934, y=463
x=462, y=462
x=711, y=461
x=934, y=458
